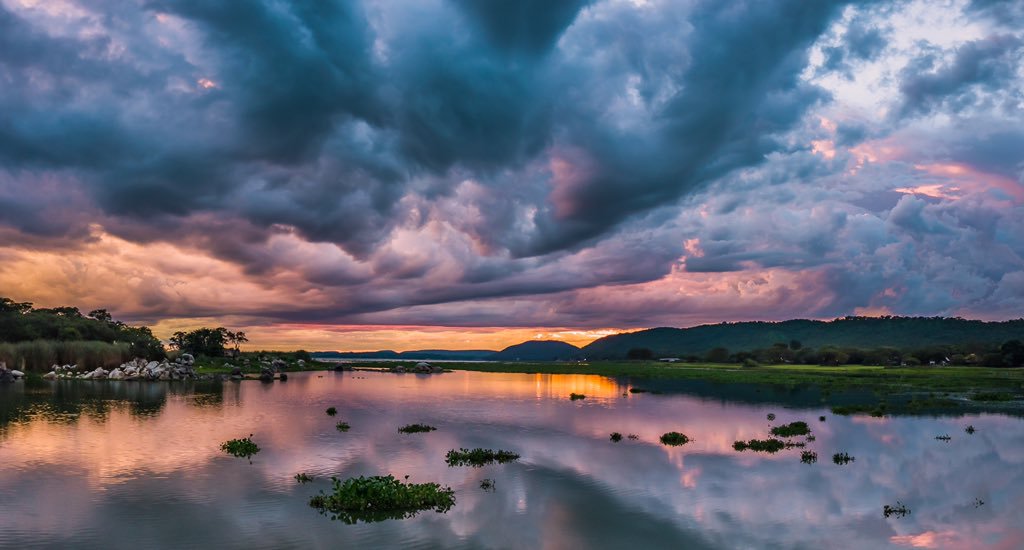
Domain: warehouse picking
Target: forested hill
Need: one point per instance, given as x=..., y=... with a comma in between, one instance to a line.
x=848, y=332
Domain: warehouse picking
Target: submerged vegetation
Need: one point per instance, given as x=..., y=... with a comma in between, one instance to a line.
x=241, y=448
x=416, y=428
x=792, y=429
x=378, y=498
x=674, y=439
x=478, y=457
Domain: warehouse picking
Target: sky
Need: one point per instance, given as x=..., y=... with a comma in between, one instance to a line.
x=468, y=174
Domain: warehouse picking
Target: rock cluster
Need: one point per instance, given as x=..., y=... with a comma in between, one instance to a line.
x=9, y=375
x=139, y=369
x=419, y=368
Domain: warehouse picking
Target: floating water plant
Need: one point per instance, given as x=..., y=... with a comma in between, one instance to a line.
x=487, y=484
x=616, y=437
x=760, y=445
x=821, y=419
x=331, y=411
x=416, y=428
x=674, y=439
x=478, y=457
x=792, y=429
x=808, y=457
x=978, y=502
x=379, y=498
x=771, y=417
x=241, y=448
x=343, y=427
x=811, y=438
x=577, y=396
x=943, y=437
x=303, y=478
x=638, y=390
x=970, y=430
x=899, y=510
x=842, y=458
x=633, y=437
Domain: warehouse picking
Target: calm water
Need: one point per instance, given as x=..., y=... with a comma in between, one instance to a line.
x=133, y=465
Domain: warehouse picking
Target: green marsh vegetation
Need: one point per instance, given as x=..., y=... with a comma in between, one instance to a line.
x=303, y=477
x=808, y=457
x=343, y=426
x=791, y=430
x=992, y=396
x=970, y=430
x=478, y=457
x=379, y=498
x=842, y=458
x=241, y=448
x=674, y=439
x=899, y=510
x=633, y=437
x=331, y=411
x=616, y=437
x=416, y=428
x=770, y=445
x=576, y=396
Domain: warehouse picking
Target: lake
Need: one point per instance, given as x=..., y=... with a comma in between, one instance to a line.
x=138, y=465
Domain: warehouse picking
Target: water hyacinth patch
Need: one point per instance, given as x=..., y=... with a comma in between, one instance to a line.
x=478, y=457
x=379, y=498
x=616, y=437
x=792, y=429
x=331, y=411
x=842, y=458
x=343, y=427
x=416, y=428
x=241, y=448
x=760, y=445
x=674, y=439
x=808, y=457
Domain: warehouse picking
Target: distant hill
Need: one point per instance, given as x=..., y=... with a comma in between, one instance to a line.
x=537, y=350
x=852, y=332
x=419, y=355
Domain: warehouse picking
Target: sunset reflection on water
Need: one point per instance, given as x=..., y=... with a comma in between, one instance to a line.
x=96, y=457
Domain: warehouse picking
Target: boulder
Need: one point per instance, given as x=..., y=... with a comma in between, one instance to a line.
x=17, y=373
x=5, y=376
x=300, y=363
x=99, y=374
x=279, y=365
x=237, y=371
x=266, y=375
x=50, y=376
x=151, y=365
x=116, y=374
x=186, y=359
x=283, y=377
x=342, y=367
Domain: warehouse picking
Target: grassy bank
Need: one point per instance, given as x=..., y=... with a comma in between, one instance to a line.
x=40, y=355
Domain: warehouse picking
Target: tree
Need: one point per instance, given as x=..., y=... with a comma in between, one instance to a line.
x=640, y=353
x=8, y=305
x=236, y=338
x=795, y=345
x=1013, y=352
x=718, y=355
x=201, y=341
x=101, y=315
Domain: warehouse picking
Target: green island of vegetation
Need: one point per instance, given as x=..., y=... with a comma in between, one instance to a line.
x=416, y=428
x=791, y=430
x=674, y=439
x=241, y=448
x=378, y=498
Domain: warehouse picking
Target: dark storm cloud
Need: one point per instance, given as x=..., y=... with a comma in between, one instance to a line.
x=861, y=42
x=982, y=65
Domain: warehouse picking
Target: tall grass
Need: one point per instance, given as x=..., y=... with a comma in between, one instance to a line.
x=40, y=355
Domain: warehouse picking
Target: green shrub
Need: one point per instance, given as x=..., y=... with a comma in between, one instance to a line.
x=760, y=445
x=379, y=498
x=674, y=438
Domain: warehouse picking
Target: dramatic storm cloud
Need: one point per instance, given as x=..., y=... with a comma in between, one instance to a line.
x=338, y=167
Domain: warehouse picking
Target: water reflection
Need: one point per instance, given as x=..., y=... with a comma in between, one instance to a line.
x=93, y=458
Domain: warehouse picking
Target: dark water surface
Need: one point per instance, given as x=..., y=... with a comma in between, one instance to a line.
x=138, y=465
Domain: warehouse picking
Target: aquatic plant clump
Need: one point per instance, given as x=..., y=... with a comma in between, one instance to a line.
x=478, y=457
x=943, y=437
x=379, y=498
x=633, y=437
x=808, y=457
x=303, y=478
x=899, y=510
x=674, y=439
x=771, y=417
x=331, y=411
x=970, y=430
x=761, y=445
x=343, y=427
x=842, y=458
x=416, y=428
x=616, y=437
x=241, y=448
x=792, y=429
x=487, y=484
x=576, y=396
